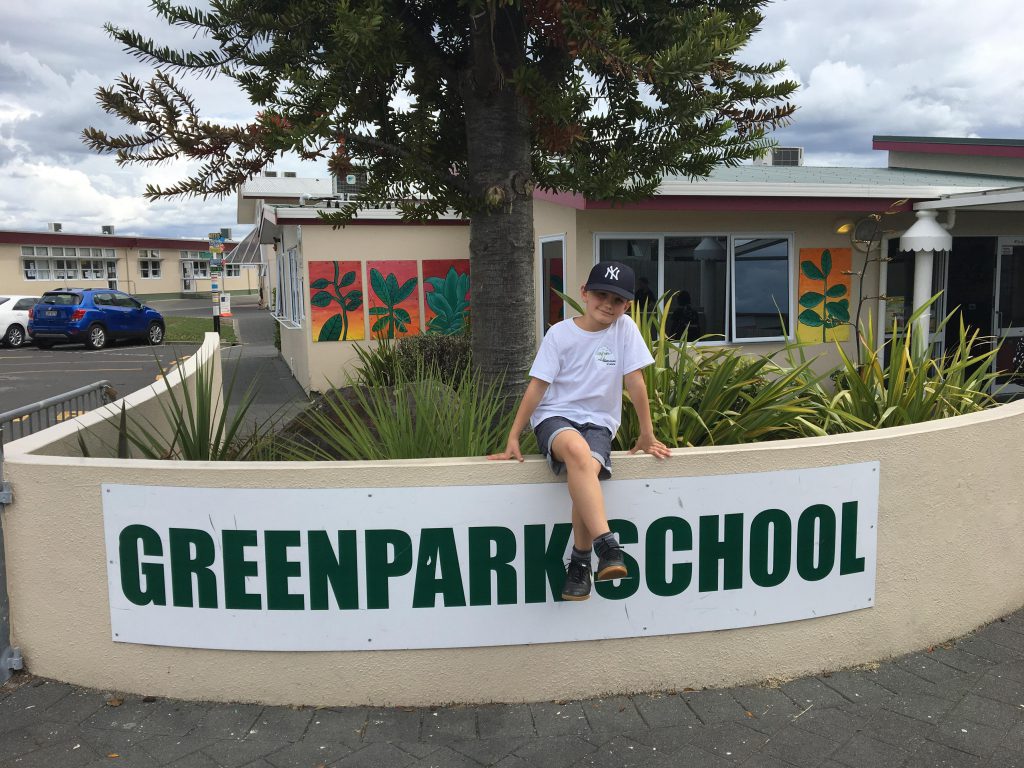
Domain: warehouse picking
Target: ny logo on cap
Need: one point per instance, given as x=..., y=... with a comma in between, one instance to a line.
x=612, y=273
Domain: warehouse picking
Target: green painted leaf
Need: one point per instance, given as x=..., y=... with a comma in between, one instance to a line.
x=353, y=300
x=438, y=303
x=836, y=291
x=407, y=288
x=826, y=262
x=321, y=299
x=810, y=269
x=840, y=310
x=379, y=286
x=811, y=299
x=811, y=318
x=381, y=323
x=320, y=283
x=392, y=288
x=402, y=316
x=379, y=311
x=332, y=329
x=347, y=279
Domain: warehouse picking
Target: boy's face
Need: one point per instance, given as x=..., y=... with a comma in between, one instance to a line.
x=602, y=307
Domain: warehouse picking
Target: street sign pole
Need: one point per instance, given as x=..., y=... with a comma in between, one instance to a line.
x=216, y=260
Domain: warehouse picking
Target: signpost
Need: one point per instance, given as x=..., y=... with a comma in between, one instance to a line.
x=216, y=261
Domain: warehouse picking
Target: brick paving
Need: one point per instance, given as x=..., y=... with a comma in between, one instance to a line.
x=956, y=706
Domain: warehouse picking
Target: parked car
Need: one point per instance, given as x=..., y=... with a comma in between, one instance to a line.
x=94, y=317
x=14, y=319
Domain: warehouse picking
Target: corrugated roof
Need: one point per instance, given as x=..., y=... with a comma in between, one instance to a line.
x=273, y=187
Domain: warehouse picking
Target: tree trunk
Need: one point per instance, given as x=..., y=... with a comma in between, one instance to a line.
x=503, y=314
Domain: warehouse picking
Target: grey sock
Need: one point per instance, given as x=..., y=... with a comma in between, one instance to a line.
x=605, y=540
x=582, y=555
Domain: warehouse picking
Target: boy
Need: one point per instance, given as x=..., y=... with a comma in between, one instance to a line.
x=574, y=404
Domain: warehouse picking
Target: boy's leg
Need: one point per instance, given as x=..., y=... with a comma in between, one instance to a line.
x=588, y=517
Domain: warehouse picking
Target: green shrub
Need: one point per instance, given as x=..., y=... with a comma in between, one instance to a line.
x=446, y=356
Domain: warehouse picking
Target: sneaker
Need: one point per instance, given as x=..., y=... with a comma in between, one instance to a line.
x=610, y=563
x=577, y=581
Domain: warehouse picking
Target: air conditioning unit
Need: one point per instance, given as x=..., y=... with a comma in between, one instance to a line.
x=289, y=174
x=55, y=226
x=107, y=229
x=225, y=232
x=270, y=174
x=791, y=156
x=352, y=183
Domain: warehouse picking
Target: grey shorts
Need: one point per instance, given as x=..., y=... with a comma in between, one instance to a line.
x=598, y=438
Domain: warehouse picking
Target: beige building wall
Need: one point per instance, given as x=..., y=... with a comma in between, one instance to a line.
x=948, y=560
x=973, y=164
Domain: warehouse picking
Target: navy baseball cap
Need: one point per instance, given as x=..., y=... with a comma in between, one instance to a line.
x=614, y=277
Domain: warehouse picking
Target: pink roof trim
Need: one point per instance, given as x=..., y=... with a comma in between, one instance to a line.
x=945, y=148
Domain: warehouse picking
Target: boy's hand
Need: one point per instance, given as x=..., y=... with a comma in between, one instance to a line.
x=511, y=451
x=651, y=445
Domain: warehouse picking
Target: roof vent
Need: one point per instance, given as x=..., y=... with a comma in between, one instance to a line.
x=107, y=229
x=289, y=174
x=55, y=226
x=225, y=232
x=270, y=174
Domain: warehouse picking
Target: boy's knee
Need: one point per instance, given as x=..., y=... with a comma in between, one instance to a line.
x=576, y=455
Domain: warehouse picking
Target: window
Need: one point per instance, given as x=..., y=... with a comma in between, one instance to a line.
x=288, y=302
x=149, y=269
x=65, y=269
x=730, y=288
x=552, y=253
x=25, y=303
x=232, y=270
x=92, y=269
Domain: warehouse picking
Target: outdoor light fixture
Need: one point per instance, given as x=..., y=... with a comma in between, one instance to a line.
x=843, y=226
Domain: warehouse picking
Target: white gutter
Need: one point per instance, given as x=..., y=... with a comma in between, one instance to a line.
x=989, y=198
x=783, y=189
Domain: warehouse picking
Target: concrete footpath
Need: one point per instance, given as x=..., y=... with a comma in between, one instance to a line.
x=957, y=705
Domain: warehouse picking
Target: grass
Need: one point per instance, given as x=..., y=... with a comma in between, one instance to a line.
x=192, y=329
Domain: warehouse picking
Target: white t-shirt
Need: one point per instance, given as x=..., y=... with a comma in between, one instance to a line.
x=585, y=371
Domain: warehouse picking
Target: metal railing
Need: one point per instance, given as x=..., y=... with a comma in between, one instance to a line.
x=19, y=423
x=53, y=410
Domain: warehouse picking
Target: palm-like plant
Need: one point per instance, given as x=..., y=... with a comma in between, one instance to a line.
x=391, y=318
x=449, y=301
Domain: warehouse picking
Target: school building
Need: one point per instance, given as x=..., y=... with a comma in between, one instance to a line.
x=764, y=253
x=146, y=267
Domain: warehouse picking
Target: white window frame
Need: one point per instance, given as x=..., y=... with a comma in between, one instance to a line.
x=289, y=302
x=559, y=238
x=149, y=269
x=731, y=237
x=232, y=270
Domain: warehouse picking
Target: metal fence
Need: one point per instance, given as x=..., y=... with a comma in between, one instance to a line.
x=19, y=423
x=53, y=410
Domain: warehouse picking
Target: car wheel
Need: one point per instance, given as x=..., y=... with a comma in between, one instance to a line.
x=15, y=336
x=155, y=334
x=96, y=337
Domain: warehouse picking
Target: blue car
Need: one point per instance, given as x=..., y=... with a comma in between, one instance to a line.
x=92, y=316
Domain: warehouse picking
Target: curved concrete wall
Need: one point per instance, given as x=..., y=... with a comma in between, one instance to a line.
x=950, y=538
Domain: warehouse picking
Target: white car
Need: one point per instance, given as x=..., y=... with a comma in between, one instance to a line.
x=14, y=319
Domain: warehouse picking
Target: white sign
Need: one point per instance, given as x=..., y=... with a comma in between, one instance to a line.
x=387, y=568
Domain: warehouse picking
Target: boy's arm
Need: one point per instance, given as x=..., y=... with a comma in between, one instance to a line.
x=531, y=399
x=647, y=442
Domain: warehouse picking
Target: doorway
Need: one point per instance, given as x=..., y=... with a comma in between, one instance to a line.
x=969, y=290
x=1009, y=312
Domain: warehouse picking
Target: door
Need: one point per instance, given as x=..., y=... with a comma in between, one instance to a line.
x=970, y=283
x=188, y=281
x=1009, y=314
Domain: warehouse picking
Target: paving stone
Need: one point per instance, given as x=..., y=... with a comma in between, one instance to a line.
x=1003, y=689
x=672, y=739
x=899, y=681
x=174, y=718
x=1013, y=738
x=967, y=662
x=810, y=691
x=489, y=751
x=445, y=757
x=376, y=755
x=986, y=649
x=233, y=753
x=77, y=706
x=858, y=687
x=449, y=723
x=615, y=714
x=105, y=741
x=766, y=709
x=802, y=748
x=227, y=722
x=1000, y=634
x=1011, y=670
x=663, y=710
x=417, y=749
x=128, y=758
x=734, y=741
x=512, y=761
x=345, y=725
x=987, y=712
x=862, y=751
x=714, y=706
x=899, y=730
x=307, y=753
x=197, y=760
x=392, y=725
x=694, y=757
x=282, y=723
x=975, y=738
x=834, y=724
x=920, y=706
x=555, y=751
x=39, y=694
x=67, y=754
x=500, y=721
x=621, y=752
x=14, y=744
x=554, y=719
x=943, y=675
x=1003, y=758
x=166, y=749
x=760, y=760
x=130, y=715
x=932, y=755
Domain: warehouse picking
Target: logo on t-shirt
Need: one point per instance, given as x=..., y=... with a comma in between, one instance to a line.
x=604, y=356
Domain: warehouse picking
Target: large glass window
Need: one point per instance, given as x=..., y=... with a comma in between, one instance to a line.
x=761, y=287
x=724, y=288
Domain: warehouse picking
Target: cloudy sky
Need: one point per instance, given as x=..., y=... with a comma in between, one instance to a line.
x=866, y=67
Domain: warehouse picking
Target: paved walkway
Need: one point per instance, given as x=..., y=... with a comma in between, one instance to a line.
x=961, y=704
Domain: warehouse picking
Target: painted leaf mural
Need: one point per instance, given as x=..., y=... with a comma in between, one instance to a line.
x=336, y=301
x=446, y=295
x=824, y=295
x=394, y=302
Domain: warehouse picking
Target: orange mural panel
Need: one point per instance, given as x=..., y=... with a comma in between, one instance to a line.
x=446, y=295
x=336, y=301
x=393, y=299
x=823, y=293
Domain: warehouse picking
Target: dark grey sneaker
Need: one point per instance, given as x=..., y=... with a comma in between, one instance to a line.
x=577, y=581
x=610, y=563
